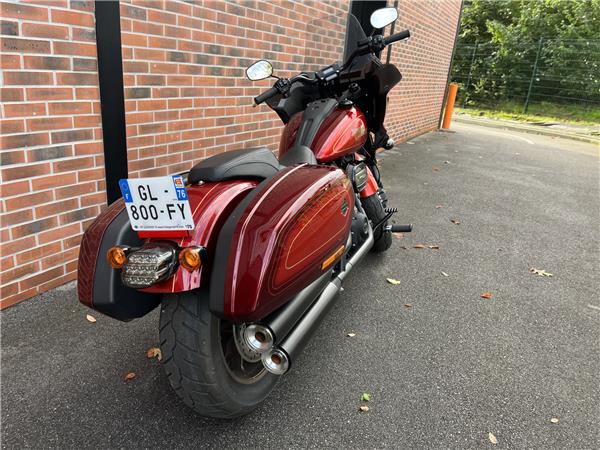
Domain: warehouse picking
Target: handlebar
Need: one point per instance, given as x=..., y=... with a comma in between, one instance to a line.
x=396, y=37
x=266, y=95
x=366, y=46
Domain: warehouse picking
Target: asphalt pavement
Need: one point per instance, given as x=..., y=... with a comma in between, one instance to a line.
x=444, y=366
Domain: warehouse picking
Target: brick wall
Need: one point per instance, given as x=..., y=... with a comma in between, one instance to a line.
x=51, y=142
x=186, y=98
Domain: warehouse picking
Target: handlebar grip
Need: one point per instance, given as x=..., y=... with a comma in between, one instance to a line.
x=266, y=95
x=396, y=37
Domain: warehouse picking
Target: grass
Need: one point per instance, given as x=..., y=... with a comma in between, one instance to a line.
x=538, y=112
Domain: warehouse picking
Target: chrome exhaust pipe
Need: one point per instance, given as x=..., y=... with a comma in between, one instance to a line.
x=293, y=343
x=262, y=336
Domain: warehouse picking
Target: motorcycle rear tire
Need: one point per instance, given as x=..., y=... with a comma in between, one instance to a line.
x=374, y=210
x=193, y=346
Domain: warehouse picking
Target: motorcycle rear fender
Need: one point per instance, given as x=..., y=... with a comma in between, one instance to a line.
x=100, y=286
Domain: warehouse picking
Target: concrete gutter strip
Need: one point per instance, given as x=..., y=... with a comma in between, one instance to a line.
x=526, y=128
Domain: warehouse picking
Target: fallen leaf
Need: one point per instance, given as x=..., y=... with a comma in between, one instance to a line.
x=410, y=143
x=351, y=334
x=130, y=376
x=493, y=439
x=407, y=305
x=364, y=408
x=540, y=272
x=554, y=420
x=419, y=246
x=365, y=397
x=455, y=221
x=446, y=162
x=392, y=281
x=434, y=247
x=398, y=235
x=445, y=274
x=403, y=247
x=90, y=318
x=439, y=206
x=436, y=169
x=486, y=295
x=154, y=352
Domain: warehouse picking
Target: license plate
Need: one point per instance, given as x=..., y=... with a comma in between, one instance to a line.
x=157, y=204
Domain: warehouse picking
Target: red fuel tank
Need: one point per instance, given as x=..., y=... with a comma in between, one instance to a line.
x=343, y=132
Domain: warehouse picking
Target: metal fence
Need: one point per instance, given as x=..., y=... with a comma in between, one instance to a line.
x=521, y=74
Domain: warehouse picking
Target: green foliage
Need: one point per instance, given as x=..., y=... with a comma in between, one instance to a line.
x=499, y=43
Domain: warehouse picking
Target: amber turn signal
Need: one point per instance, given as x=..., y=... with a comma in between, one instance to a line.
x=190, y=258
x=116, y=257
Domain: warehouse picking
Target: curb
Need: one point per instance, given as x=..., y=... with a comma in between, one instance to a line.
x=527, y=129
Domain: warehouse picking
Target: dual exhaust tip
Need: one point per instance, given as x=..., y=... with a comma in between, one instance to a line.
x=260, y=339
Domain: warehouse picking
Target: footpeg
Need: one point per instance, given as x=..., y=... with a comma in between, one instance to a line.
x=399, y=228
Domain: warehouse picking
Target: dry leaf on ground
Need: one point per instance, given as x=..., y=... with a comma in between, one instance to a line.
x=398, y=235
x=351, y=334
x=439, y=206
x=130, y=376
x=554, y=420
x=455, y=221
x=392, y=281
x=364, y=408
x=407, y=305
x=446, y=162
x=436, y=169
x=154, y=352
x=90, y=318
x=445, y=274
x=540, y=272
x=493, y=439
x=434, y=247
x=419, y=246
x=403, y=248
x=486, y=295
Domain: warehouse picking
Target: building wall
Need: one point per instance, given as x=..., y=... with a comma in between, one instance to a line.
x=186, y=98
x=51, y=141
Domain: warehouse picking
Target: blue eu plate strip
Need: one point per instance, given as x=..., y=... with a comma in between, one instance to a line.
x=125, y=191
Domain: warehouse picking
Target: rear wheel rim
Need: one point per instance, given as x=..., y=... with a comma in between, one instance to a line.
x=241, y=368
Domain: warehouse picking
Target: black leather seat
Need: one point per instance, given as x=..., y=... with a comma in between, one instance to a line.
x=258, y=163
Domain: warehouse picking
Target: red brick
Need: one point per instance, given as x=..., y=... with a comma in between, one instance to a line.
x=12, y=126
x=15, y=218
x=8, y=158
x=11, y=95
x=21, y=11
x=23, y=140
x=12, y=247
x=24, y=109
x=49, y=123
x=74, y=48
x=13, y=45
x=47, y=63
x=45, y=31
x=10, y=61
x=37, y=78
x=42, y=277
x=46, y=94
x=86, y=121
x=19, y=272
x=59, y=233
x=73, y=164
x=69, y=108
x=77, y=79
x=73, y=18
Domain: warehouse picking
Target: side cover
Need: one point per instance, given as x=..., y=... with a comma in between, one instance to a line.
x=281, y=237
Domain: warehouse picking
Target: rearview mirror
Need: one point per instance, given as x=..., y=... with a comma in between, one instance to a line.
x=259, y=70
x=383, y=17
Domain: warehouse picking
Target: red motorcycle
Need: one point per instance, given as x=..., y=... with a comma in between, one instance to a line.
x=246, y=252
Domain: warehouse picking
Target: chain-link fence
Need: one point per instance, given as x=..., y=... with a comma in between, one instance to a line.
x=530, y=77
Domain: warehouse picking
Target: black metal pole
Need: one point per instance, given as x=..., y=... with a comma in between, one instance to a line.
x=112, y=99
